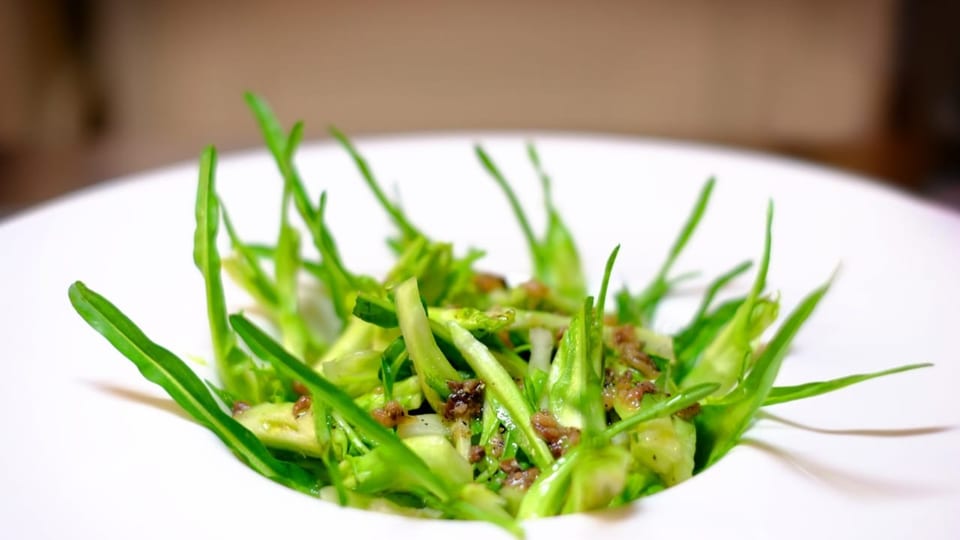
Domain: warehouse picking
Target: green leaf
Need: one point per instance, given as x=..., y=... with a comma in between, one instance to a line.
x=549, y=491
x=287, y=268
x=338, y=279
x=724, y=359
x=461, y=290
x=479, y=323
x=604, y=284
x=406, y=392
x=433, y=368
x=640, y=309
x=225, y=398
x=407, y=229
x=720, y=425
x=266, y=251
x=665, y=446
x=719, y=283
x=378, y=311
x=692, y=341
x=432, y=264
x=163, y=368
x=277, y=427
x=597, y=349
x=560, y=262
x=377, y=471
x=355, y=373
x=518, y=211
x=688, y=229
x=387, y=377
x=233, y=364
x=356, y=335
x=327, y=244
x=575, y=385
x=783, y=394
x=282, y=148
x=599, y=477
x=765, y=312
x=250, y=273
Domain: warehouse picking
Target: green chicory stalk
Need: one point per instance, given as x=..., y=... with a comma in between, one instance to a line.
x=444, y=391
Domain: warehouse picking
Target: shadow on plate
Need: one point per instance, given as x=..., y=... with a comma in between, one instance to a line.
x=861, y=485
x=161, y=403
x=908, y=432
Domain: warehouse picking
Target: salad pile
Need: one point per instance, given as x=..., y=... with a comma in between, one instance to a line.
x=442, y=390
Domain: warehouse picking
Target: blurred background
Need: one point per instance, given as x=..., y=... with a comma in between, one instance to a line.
x=94, y=89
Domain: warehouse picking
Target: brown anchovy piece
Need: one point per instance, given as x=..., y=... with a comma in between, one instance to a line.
x=390, y=414
x=558, y=438
x=517, y=477
x=239, y=407
x=631, y=353
x=299, y=388
x=465, y=401
x=689, y=412
x=486, y=282
x=301, y=406
x=477, y=453
x=625, y=388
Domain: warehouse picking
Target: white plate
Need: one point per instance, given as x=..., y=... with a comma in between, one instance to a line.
x=91, y=450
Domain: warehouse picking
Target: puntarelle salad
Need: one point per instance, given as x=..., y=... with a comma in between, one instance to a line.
x=444, y=391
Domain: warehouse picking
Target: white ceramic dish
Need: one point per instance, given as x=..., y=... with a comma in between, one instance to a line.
x=91, y=450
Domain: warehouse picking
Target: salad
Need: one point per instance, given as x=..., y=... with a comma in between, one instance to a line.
x=441, y=389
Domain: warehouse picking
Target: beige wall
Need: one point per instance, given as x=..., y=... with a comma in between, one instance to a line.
x=769, y=74
x=742, y=69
